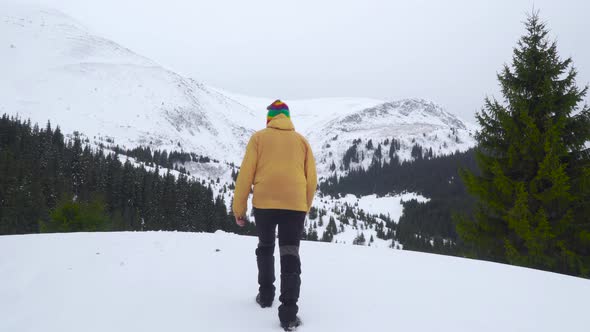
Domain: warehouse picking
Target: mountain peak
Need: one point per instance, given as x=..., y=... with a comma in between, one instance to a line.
x=58, y=70
x=417, y=110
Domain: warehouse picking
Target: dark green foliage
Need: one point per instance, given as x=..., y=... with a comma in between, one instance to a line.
x=359, y=240
x=428, y=227
x=436, y=178
x=417, y=152
x=71, y=216
x=381, y=231
x=422, y=222
x=330, y=231
x=163, y=158
x=533, y=194
x=412, y=176
x=378, y=153
x=304, y=234
x=327, y=236
x=38, y=168
x=313, y=213
x=331, y=227
x=395, y=146
x=351, y=155
x=312, y=234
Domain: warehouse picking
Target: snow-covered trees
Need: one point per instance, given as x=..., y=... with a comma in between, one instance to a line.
x=46, y=180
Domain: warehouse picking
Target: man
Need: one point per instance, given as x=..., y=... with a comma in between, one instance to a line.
x=280, y=164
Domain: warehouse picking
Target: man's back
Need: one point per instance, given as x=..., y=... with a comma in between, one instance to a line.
x=280, y=164
x=280, y=180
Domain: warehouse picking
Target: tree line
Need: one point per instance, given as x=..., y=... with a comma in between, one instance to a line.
x=163, y=158
x=428, y=226
x=48, y=183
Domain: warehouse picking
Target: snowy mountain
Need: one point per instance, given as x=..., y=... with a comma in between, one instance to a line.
x=54, y=68
x=332, y=124
x=207, y=282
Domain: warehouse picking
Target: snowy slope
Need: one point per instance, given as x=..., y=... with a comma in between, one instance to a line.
x=53, y=68
x=179, y=282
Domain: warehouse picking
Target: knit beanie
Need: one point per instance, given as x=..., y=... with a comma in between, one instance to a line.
x=276, y=108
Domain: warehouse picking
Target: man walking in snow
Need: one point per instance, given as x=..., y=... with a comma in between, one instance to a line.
x=280, y=164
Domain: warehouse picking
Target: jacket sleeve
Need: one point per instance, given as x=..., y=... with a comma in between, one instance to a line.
x=245, y=179
x=311, y=176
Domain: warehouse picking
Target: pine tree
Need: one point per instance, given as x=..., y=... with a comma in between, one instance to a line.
x=313, y=213
x=312, y=234
x=332, y=226
x=533, y=186
x=379, y=153
x=359, y=240
x=327, y=236
x=304, y=234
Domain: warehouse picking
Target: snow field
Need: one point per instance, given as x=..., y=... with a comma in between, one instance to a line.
x=180, y=282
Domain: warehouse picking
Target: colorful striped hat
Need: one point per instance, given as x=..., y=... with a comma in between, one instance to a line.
x=276, y=108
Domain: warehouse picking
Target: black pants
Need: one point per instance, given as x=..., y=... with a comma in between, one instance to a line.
x=291, y=225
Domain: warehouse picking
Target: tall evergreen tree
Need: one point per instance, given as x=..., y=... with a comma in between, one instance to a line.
x=533, y=186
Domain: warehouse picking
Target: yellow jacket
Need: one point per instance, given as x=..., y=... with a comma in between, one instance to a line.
x=280, y=164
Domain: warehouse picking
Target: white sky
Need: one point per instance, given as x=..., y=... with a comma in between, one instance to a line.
x=446, y=51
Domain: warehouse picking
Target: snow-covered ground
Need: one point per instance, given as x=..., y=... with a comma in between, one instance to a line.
x=180, y=282
x=390, y=206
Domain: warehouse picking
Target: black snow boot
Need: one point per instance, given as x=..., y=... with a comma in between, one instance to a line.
x=263, y=303
x=291, y=325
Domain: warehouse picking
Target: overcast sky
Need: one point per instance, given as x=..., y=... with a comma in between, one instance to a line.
x=446, y=51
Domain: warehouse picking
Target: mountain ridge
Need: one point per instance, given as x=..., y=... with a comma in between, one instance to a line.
x=95, y=86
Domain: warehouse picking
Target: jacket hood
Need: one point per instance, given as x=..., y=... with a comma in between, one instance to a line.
x=281, y=122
